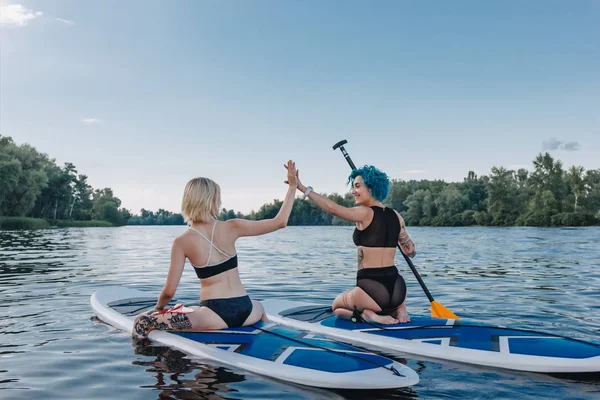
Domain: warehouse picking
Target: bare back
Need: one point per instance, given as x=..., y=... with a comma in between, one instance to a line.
x=197, y=250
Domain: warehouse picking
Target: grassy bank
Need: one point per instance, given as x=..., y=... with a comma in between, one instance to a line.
x=60, y=223
x=15, y=223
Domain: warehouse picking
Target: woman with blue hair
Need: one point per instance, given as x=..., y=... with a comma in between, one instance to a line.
x=380, y=291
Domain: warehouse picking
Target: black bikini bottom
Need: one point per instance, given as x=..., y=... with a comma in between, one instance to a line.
x=384, y=285
x=234, y=310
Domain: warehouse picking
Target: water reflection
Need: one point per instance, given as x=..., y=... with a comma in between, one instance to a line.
x=179, y=377
x=39, y=252
x=170, y=368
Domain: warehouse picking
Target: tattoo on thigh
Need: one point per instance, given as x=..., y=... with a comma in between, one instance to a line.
x=180, y=322
x=163, y=326
x=144, y=325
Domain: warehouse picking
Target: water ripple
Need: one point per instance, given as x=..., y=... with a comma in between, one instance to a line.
x=51, y=346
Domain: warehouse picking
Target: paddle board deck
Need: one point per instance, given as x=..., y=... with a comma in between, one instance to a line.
x=268, y=349
x=448, y=339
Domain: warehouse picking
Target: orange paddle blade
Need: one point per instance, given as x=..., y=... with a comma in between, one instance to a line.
x=439, y=311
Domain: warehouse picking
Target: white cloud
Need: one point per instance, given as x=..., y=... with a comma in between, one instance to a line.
x=553, y=144
x=90, y=121
x=415, y=171
x=571, y=146
x=65, y=21
x=16, y=14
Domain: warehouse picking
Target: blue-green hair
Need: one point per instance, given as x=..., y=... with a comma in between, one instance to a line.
x=376, y=181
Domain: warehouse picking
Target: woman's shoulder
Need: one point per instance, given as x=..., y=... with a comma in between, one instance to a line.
x=229, y=223
x=182, y=238
x=186, y=237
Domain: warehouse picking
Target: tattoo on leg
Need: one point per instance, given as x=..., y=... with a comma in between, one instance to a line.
x=162, y=326
x=144, y=325
x=180, y=322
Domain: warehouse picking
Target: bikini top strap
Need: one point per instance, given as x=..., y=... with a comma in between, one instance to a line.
x=212, y=238
x=199, y=233
x=211, y=242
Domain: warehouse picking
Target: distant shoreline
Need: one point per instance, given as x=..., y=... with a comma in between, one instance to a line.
x=33, y=185
x=25, y=223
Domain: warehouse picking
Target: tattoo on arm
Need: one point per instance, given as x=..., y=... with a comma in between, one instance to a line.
x=407, y=245
x=361, y=257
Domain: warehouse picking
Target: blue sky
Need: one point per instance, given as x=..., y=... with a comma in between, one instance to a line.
x=143, y=95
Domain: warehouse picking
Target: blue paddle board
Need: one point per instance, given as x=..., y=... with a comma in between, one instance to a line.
x=269, y=349
x=448, y=339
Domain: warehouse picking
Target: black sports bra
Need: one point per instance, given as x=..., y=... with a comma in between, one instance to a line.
x=383, y=231
x=216, y=269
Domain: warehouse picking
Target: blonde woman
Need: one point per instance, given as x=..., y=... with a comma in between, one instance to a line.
x=209, y=245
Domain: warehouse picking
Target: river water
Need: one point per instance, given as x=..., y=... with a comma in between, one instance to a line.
x=52, y=346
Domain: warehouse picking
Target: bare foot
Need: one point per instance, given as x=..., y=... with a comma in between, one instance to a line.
x=371, y=316
x=264, y=318
x=401, y=314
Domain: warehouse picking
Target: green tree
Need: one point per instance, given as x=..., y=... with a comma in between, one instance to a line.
x=420, y=208
x=10, y=170
x=547, y=180
x=575, y=179
x=474, y=189
x=106, y=207
x=502, y=194
x=23, y=167
x=56, y=199
x=450, y=204
x=591, y=200
x=82, y=205
x=399, y=192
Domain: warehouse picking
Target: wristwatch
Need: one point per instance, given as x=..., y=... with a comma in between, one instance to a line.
x=307, y=191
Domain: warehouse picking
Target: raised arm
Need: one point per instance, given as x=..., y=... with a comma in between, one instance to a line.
x=353, y=214
x=244, y=227
x=405, y=242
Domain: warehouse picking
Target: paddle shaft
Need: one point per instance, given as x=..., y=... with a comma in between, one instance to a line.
x=340, y=145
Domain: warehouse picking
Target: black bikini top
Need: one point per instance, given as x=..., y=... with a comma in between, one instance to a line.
x=216, y=269
x=208, y=271
x=383, y=231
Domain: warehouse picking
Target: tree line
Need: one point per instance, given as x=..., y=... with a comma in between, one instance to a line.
x=549, y=195
x=33, y=185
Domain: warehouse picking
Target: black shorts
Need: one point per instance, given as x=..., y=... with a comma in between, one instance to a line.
x=384, y=285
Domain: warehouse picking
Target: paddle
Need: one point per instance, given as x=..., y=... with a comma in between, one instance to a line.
x=437, y=310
